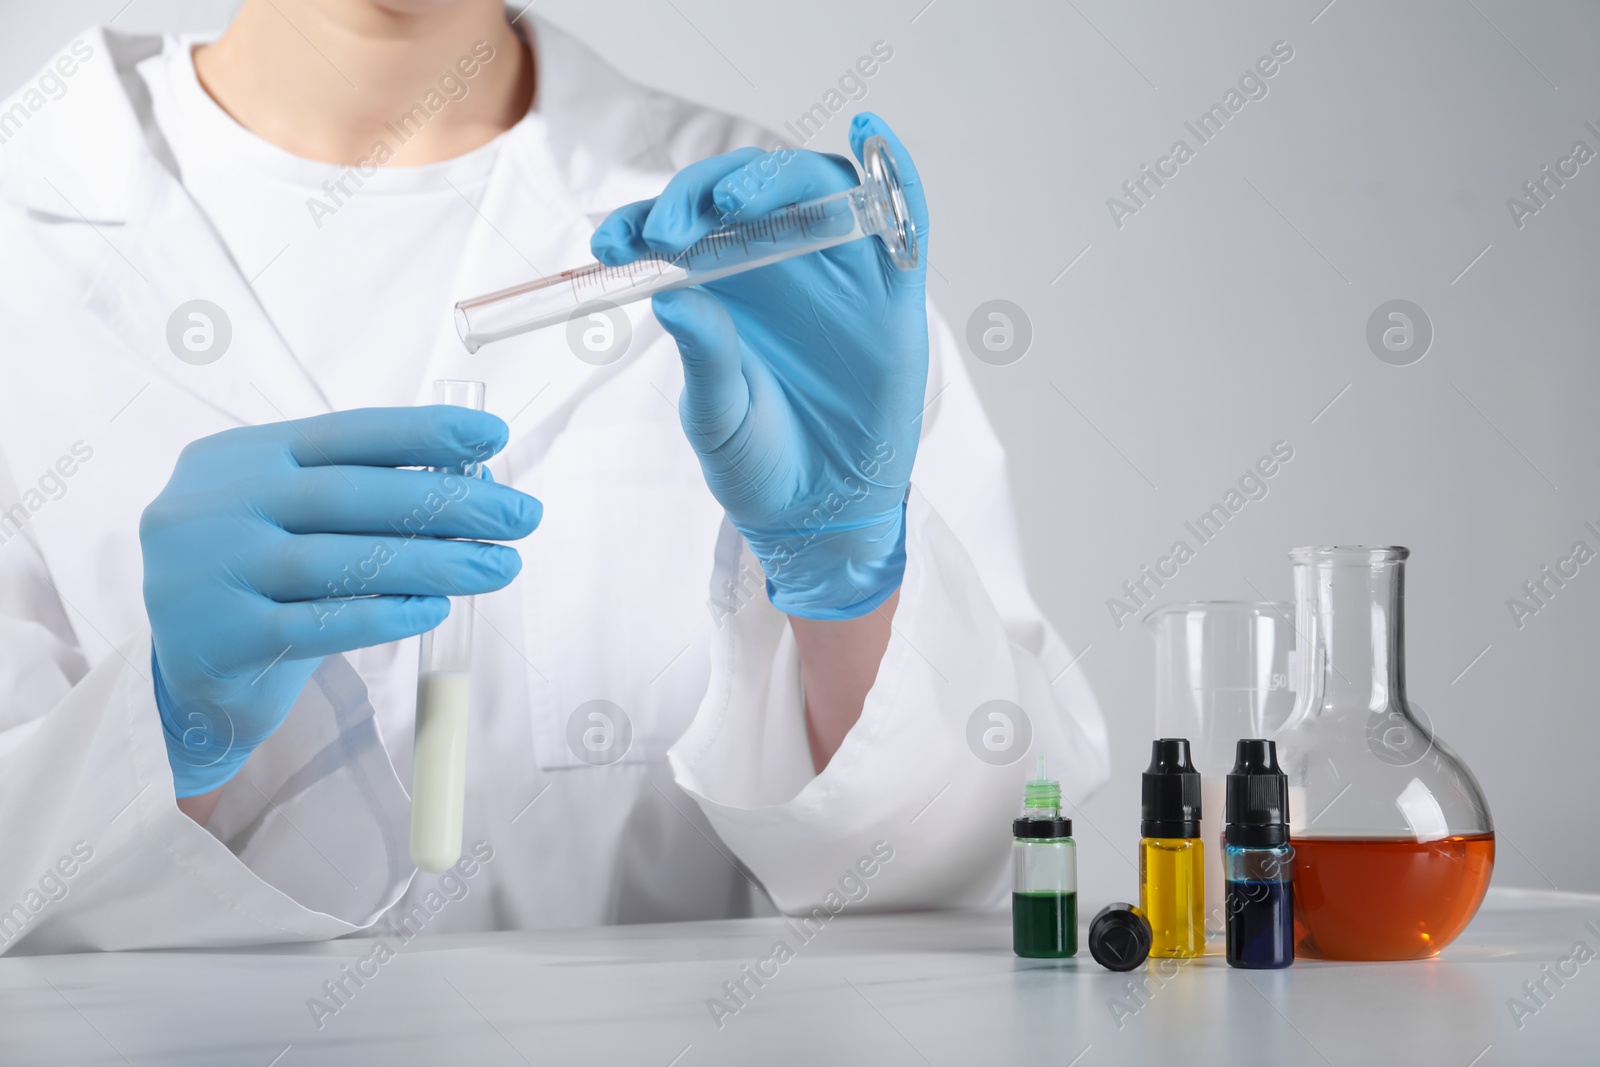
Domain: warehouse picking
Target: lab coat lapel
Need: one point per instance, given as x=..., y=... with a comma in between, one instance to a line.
x=532, y=222
x=95, y=160
x=174, y=258
x=534, y=219
x=527, y=226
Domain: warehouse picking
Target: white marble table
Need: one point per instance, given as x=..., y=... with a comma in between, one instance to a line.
x=908, y=989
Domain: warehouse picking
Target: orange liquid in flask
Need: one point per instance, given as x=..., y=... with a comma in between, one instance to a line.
x=1386, y=898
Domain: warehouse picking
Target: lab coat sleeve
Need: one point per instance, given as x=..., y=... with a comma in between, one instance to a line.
x=308, y=841
x=908, y=782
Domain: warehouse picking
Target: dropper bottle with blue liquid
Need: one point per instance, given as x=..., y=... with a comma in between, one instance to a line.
x=1257, y=860
x=1044, y=870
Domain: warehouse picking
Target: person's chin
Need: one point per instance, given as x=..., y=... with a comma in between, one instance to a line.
x=418, y=7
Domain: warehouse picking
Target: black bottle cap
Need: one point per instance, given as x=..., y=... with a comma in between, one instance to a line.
x=1119, y=937
x=1171, y=792
x=1048, y=828
x=1257, y=814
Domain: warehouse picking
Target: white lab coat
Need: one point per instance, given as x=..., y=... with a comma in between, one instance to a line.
x=631, y=592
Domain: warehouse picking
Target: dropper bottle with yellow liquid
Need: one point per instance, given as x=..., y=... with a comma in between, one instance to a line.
x=1172, y=870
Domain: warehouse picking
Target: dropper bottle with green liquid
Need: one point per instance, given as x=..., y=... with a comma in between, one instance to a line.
x=1044, y=869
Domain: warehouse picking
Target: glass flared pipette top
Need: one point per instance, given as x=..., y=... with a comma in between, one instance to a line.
x=875, y=208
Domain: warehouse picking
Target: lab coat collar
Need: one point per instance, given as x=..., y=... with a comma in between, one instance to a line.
x=95, y=156
x=78, y=156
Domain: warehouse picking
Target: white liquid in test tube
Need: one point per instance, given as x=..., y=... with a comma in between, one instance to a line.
x=439, y=774
x=444, y=692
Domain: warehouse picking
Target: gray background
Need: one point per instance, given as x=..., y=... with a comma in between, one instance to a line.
x=1228, y=314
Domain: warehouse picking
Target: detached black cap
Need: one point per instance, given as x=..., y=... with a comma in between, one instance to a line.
x=1258, y=798
x=1171, y=793
x=1119, y=937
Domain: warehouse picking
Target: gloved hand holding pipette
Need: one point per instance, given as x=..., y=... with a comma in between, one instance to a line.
x=274, y=546
x=803, y=380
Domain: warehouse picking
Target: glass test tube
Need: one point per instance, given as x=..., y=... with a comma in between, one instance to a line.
x=444, y=686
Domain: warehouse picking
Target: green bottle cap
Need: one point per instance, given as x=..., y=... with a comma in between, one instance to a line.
x=1041, y=809
x=1042, y=797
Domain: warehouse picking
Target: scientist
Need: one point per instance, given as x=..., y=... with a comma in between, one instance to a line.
x=745, y=648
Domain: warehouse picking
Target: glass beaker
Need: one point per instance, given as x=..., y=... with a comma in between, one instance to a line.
x=1394, y=848
x=1222, y=673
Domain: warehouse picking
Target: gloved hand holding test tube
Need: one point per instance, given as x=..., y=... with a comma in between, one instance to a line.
x=875, y=208
x=444, y=688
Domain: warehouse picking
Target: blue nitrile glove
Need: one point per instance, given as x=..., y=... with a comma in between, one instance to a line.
x=274, y=546
x=803, y=380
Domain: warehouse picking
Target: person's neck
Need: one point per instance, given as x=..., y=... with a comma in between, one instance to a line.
x=328, y=80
